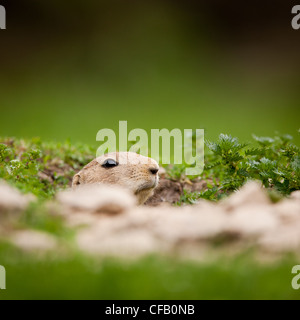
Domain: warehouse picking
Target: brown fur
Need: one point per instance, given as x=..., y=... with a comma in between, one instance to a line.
x=133, y=173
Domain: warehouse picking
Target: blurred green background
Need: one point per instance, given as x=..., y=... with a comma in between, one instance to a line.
x=71, y=68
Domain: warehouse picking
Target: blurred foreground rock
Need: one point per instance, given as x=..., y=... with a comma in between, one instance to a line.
x=31, y=240
x=108, y=222
x=12, y=200
x=97, y=198
x=246, y=219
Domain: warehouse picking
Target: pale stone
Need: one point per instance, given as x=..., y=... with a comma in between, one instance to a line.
x=127, y=243
x=295, y=195
x=250, y=194
x=288, y=209
x=284, y=239
x=31, y=240
x=97, y=198
x=11, y=199
x=252, y=220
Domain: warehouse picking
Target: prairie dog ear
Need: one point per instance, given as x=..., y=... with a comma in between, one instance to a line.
x=76, y=180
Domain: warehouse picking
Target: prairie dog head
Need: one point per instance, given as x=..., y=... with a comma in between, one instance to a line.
x=126, y=169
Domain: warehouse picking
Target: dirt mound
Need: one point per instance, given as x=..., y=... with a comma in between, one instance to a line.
x=168, y=191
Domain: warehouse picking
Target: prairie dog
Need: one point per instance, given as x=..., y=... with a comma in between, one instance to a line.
x=126, y=169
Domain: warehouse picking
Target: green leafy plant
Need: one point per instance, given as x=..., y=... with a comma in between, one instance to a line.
x=275, y=162
x=39, y=167
x=42, y=168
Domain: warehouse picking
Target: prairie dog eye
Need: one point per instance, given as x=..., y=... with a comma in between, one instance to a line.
x=109, y=163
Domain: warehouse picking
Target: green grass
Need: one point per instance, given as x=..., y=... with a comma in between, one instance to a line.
x=79, y=277
x=43, y=168
x=69, y=274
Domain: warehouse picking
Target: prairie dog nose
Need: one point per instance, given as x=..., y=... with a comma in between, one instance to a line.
x=153, y=170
